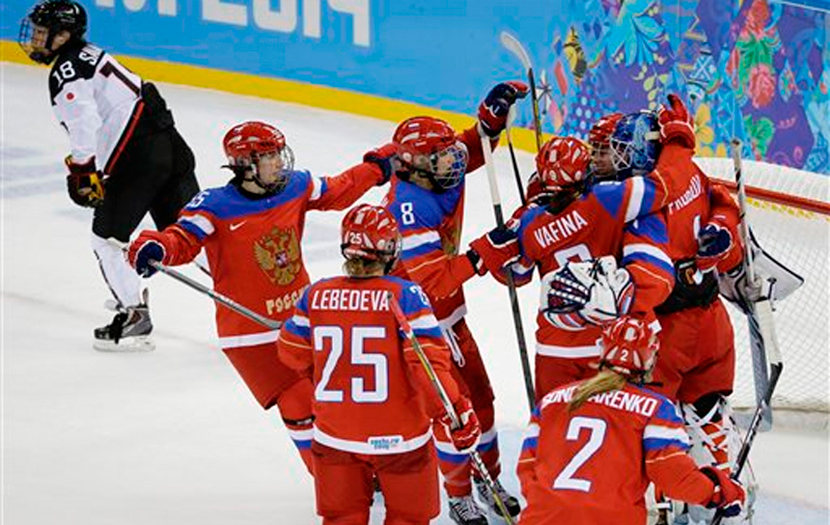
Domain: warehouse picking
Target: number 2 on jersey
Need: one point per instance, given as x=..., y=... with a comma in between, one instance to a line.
x=597, y=427
x=357, y=356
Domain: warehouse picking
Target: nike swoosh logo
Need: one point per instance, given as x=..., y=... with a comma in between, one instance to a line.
x=234, y=227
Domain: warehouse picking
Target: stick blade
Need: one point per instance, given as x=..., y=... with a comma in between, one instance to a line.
x=512, y=44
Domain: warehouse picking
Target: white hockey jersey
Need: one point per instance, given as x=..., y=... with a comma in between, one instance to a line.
x=96, y=100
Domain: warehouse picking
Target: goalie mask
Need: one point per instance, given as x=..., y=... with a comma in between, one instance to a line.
x=428, y=146
x=46, y=21
x=370, y=233
x=629, y=347
x=635, y=144
x=249, y=146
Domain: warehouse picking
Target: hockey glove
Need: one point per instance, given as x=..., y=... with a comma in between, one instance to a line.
x=84, y=183
x=386, y=158
x=676, y=124
x=492, y=112
x=596, y=290
x=145, y=248
x=714, y=244
x=729, y=494
x=464, y=438
x=495, y=250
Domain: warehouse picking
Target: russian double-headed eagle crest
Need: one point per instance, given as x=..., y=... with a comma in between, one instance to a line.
x=278, y=254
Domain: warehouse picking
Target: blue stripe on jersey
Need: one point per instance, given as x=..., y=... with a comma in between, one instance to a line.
x=303, y=332
x=525, y=219
x=227, y=202
x=192, y=228
x=649, y=190
x=650, y=444
x=648, y=259
x=455, y=459
x=652, y=227
x=610, y=195
x=530, y=443
x=667, y=411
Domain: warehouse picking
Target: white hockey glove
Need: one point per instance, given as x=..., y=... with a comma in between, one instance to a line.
x=596, y=291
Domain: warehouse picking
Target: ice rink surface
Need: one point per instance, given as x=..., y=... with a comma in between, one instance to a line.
x=173, y=436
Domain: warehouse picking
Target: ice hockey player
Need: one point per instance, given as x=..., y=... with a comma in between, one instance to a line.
x=593, y=446
x=697, y=359
x=427, y=199
x=251, y=230
x=127, y=158
x=573, y=225
x=373, y=400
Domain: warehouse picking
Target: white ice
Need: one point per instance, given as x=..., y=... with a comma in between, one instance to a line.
x=173, y=436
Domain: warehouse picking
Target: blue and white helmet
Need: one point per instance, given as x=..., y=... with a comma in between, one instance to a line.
x=635, y=144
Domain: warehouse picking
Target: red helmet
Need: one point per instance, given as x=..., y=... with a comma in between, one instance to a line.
x=370, y=232
x=600, y=134
x=429, y=146
x=629, y=346
x=245, y=143
x=562, y=162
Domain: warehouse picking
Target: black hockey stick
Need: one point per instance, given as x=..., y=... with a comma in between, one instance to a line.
x=516, y=174
x=511, y=285
x=213, y=294
x=760, y=334
x=445, y=402
x=512, y=44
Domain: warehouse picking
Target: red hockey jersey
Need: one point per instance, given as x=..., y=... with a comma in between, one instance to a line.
x=592, y=465
x=253, y=244
x=371, y=393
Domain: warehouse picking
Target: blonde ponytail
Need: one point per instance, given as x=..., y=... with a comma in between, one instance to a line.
x=606, y=380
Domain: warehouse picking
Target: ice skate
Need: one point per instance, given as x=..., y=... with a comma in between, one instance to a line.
x=129, y=330
x=486, y=497
x=465, y=511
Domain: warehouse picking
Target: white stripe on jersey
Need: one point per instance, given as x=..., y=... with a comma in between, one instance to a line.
x=419, y=239
x=391, y=444
x=316, y=188
x=201, y=222
x=660, y=432
x=238, y=341
x=424, y=322
x=301, y=320
x=647, y=249
x=635, y=203
x=569, y=352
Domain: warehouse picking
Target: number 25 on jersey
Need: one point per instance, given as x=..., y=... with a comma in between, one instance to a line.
x=331, y=338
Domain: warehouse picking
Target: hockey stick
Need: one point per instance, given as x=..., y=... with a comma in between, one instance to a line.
x=511, y=285
x=512, y=44
x=511, y=115
x=776, y=367
x=213, y=294
x=760, y=334
x=445, y=401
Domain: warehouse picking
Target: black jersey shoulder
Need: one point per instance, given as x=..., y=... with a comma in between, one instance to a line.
x=77, y=62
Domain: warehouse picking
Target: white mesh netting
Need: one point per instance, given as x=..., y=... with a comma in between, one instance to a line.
x=800, y=240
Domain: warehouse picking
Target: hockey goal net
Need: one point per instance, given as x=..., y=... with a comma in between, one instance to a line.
x=789, y=212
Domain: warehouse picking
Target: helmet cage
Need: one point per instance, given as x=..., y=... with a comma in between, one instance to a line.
x=55, y=16
x=444, y=168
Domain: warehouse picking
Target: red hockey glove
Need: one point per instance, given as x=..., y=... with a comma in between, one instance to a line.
x=464, y=438
x=676, y=124
x=492, y=112
x=386, y=158
x=145, y=248
x=729, y=495
x=494, y=250
x=84, y=183
x=714, y=245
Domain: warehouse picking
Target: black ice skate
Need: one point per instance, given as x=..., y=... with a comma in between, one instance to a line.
x=129, y=330
x=486, y=497
x=465, y=511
